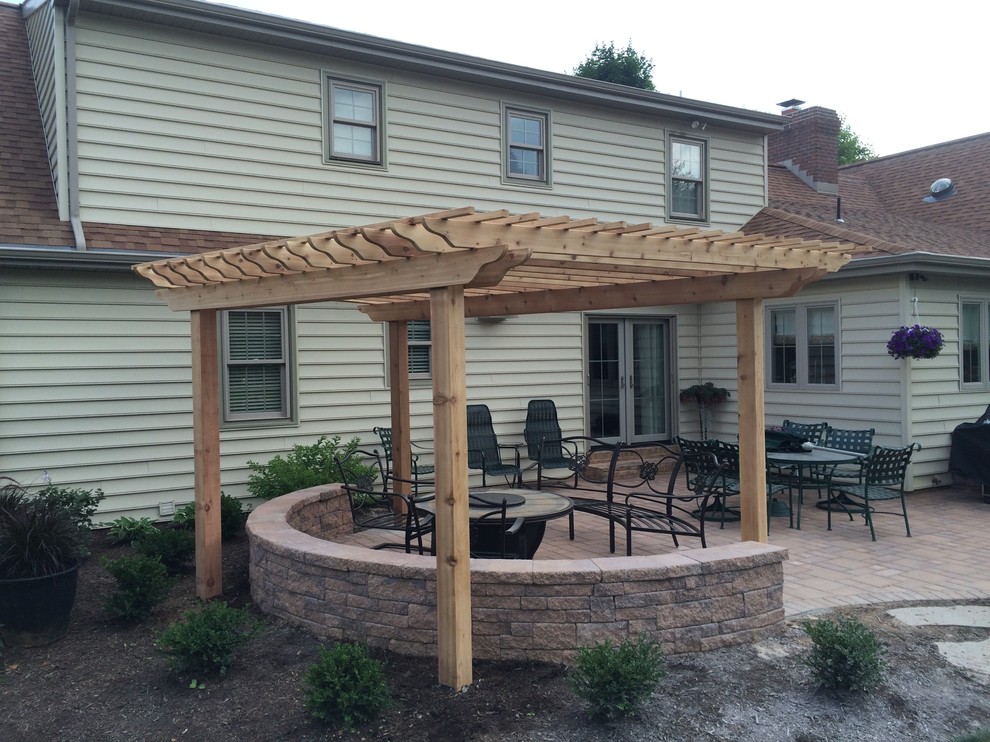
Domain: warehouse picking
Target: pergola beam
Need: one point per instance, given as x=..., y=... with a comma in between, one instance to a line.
x=372, y=279
x=731, y=287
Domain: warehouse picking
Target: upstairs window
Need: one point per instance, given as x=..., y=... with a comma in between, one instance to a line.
x=354, y=121
x=526, y=140
x=803, y=346
x=688, y=169
x=256, y=372
x=420, y=347
x=974, y=341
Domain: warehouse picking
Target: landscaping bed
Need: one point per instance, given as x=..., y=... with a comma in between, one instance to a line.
x=108, y=682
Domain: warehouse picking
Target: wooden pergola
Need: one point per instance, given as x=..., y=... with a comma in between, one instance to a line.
x=455, y=264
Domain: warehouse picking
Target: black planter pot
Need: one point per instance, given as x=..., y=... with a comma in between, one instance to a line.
x=34, y=611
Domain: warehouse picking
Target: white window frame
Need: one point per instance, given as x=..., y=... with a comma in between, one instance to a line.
x=542, y=149
x=983, y=343
x=702, y=180
x=284, y=363
x=376, y=126
x=802, y=345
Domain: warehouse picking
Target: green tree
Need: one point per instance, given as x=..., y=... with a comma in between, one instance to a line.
x=851, y=147
x=622, y=66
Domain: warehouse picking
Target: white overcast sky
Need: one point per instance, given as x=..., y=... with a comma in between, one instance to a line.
x=904, y=74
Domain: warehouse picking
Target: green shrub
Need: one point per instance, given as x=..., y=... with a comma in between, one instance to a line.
x=126, y=530
x=232, y=516
x=345, y=686
x=980, y=735
x=304, y=466
x=204, y=641
x=79, y=503
x=845, y=655
x=142, y=583
x=175, y=548
x=615, y=681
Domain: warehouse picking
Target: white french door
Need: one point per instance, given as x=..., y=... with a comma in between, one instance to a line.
x=629, y=379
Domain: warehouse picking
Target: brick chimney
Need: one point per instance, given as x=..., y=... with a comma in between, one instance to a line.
x=808, y=146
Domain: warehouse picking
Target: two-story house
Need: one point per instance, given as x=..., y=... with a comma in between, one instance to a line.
x=148, y=128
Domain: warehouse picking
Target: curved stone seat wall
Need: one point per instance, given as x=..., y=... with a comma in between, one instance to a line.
x=541, y=610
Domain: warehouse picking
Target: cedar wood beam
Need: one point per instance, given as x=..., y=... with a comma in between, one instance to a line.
x=730, y=287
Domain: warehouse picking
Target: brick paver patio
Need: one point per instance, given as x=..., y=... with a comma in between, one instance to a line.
x=945, y=558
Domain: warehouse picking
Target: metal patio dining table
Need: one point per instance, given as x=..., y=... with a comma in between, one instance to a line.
x=817, y=462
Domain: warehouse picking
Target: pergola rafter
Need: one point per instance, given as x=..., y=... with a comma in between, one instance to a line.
x=461, y=263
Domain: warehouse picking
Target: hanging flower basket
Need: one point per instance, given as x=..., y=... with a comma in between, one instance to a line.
x=916, y=341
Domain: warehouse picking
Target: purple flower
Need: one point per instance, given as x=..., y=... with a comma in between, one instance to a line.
x=915, y=342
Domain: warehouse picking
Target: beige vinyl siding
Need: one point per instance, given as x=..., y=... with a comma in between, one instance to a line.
x=95, y=386
x=44, y=33
x=872, y=384
x=905, y=401
x=183, y=130
x=937, y=400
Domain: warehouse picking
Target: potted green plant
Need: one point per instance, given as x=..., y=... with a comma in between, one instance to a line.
x=41, y=546
x=706, y=396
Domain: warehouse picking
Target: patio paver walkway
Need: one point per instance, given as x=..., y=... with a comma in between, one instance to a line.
x=946, y=557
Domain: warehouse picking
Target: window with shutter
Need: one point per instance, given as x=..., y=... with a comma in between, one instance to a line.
x=420, y=344
x=256, y=373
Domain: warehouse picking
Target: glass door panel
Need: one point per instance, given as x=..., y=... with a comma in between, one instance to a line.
x=604, y=378
x=629, y=379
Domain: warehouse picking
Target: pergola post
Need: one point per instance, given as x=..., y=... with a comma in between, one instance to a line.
x=451, y=536
x=206, y=451
x=398, y=364
x=752, y=442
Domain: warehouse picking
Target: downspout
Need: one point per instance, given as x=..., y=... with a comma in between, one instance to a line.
x=72, y=124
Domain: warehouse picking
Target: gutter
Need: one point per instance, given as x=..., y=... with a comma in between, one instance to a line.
x=72, y=124
x=70, y=258
x=929, y=262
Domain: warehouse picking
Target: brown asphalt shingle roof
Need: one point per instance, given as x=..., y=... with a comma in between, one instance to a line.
x=28, y=209
x=881, y=202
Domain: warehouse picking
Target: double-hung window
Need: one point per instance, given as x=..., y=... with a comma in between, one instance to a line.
x=256, y=364
x=354, y=121
x=688, y=171
x=803, y=345
x=974, y=339
x=420, y=344
x=526, y=146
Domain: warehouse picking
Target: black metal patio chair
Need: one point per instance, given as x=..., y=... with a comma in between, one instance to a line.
x=651, y=508
x=362, y=475
x=884, y=474
x=541, y=433
x=811, y=432
x=856, y=441
x=484, y=450
x=584, y=480
x=417, y=469
x=494, y=535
